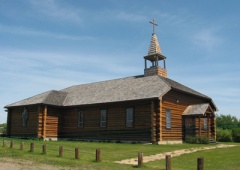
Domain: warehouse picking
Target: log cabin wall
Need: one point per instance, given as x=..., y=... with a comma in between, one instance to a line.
x=49, y=122
x=53, y=122
x=15, y=122
x=9, y=118
x=116, y=122
x=177, y=102
x=156, y=121
x=40, y=122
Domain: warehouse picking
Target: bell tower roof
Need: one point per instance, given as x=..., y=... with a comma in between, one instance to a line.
x=154, y=47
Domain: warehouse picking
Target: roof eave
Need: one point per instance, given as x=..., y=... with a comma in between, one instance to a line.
x=32, y=104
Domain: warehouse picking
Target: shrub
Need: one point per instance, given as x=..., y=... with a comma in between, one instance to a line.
x=191, y=140
x=203, y=140
x=236, y=134
x=197, y=140
x=224, y=135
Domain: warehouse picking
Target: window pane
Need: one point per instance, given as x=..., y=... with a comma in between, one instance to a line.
x=168, y=118
x=103, y=118
x=80, y=119
x=129, y=117
x=103, y=115
x=205, y=123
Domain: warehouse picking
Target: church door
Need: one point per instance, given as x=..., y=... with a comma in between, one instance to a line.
x=189, y=123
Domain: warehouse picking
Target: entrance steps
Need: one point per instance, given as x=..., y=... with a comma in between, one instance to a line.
x=212, y=141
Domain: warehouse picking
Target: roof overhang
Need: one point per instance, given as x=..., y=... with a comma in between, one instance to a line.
x=198, y=110
x=153, y=57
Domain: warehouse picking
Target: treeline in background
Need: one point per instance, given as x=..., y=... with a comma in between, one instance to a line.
x=228, y=128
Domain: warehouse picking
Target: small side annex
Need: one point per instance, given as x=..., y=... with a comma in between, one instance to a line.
x=145, y=108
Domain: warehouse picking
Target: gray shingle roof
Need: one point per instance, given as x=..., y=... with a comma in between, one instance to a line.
x=130, y=88
x=52, y=97
x=123, y=89
x=197, y=109
x=183, y=88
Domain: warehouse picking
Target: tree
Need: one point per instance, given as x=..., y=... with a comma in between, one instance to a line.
x=3, y=128
x=227, y=122
x=4, y=125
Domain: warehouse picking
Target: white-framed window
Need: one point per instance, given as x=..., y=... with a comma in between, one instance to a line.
x=205, y=123
x=80, y=118
x=129, y=117
x=168, y=118
x=103, y=118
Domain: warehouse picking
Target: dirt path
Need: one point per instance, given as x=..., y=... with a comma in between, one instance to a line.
x=133, y=161
x=17, y=164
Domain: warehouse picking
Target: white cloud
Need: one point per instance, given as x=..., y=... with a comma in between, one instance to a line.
x=171, y=18
x=207, y=39
x=132, y=17
x=38, y=66
x=52, y=8
x=31, y=32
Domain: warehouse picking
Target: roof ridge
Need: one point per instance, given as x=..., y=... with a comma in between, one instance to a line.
x=50, y=91
x=137, y=76
x=65, y=98
x=163, y=79
x=54, y=93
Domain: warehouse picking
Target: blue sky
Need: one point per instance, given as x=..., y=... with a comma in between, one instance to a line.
x=53, y=44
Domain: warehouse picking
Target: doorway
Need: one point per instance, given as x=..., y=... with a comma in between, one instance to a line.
x=189, y=126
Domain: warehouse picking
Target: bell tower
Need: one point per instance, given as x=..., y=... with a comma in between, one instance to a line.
x=154, y=57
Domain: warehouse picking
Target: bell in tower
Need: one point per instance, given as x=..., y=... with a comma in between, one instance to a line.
x=154, y=57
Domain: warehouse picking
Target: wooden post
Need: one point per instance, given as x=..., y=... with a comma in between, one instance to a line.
x=168, y=162
x=140, y=159
x=60, y=151
x=76, y=153
x=44, y=149
x=4, y=143
x=98, y=155
x=200, y=163
x=21, y=145
x=11, y=143
x=31, y=147
x=160, y=120
x=44, y=121
x=153, y=128
x=215, y=133
x=200, y=128
x=208, y=126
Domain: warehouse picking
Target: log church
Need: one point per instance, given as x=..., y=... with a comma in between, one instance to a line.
x=145, y=108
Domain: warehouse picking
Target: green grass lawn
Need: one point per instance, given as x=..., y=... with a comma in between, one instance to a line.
x=216, y=159
x=227, y=158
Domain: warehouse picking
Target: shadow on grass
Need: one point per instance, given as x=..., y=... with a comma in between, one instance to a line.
x=143, y=166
